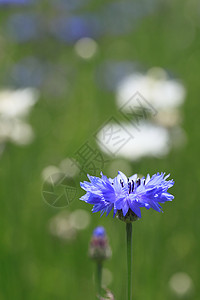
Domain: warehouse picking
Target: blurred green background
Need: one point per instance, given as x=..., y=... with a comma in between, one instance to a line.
x=36, y=264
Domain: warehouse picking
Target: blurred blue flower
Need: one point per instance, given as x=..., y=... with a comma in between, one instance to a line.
x=29, y=72
x=71, y=29
x=99, y=232
x=125, y=195
x=99, y=248
x=14, y=2
x=23, y=27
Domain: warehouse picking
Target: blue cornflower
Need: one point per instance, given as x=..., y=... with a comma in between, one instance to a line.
x=99, y=248
x=126, y=195
x=99, y=232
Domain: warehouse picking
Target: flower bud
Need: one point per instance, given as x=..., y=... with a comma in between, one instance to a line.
x=99, y=248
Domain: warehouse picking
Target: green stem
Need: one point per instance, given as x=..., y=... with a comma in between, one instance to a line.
x=99, y=277
x=129, y=260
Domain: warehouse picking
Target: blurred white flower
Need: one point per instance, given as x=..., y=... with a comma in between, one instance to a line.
x=65, y=225
x=181, y=284
x=22, y=133
x=60, y=227
x=155, y=86
x=69, y=167
x=79, y=219
x=16, y=131
x=49, y=171
x=86, y=48
x=17, y=103
x=14, y=108
x=149, y=140
x=155, y=97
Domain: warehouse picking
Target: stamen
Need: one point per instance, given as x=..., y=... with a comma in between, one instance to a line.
x=132, y=185
x=129, y=185
x=138, y=182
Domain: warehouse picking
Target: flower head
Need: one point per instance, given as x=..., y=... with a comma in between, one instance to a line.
x=99, y=248
x=99, y=232
x=126, y=195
